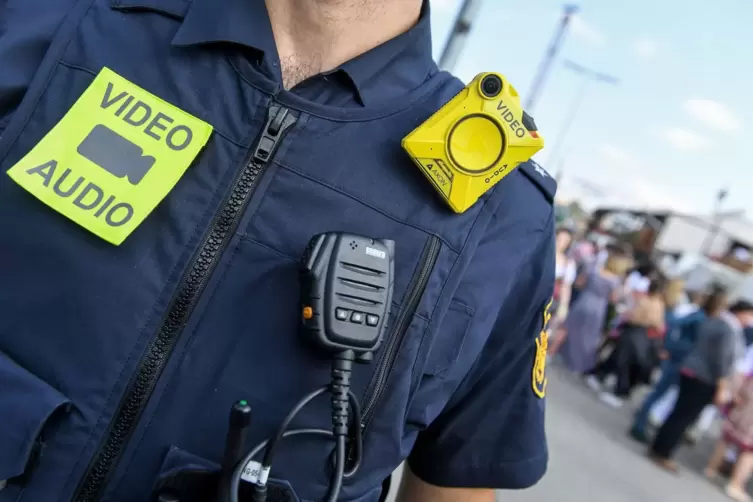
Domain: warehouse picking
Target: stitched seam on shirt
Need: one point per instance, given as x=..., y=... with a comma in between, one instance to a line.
x=79, y=457
x=172, y=280
x=380, y=211
x=531, y=232
x=466, y=309
x=172, y=379
x=457, y=260
x=118, y=5
x=84, y=69
x=243, y=77
x=430, y=89
x=485, y=465
x=268, y=248
x=38, y=98
x=530, y=258
x=198, y=231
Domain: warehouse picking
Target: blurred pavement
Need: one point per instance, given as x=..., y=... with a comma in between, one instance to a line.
x=591, y=458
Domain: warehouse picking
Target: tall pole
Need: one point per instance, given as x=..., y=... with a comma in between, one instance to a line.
x=572, y=113
x=560, y=173
x=588, y=77
x=716, y=222
x=550, y=55
x=459, y=34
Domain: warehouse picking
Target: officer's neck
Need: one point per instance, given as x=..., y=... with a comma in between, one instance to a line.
x=315, y=36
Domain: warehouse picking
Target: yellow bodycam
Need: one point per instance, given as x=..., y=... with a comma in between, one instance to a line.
x=474, y=141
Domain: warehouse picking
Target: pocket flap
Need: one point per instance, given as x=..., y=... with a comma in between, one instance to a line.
x=446, y=348
x=26, y=403
x=173, y=8
x=192, y=478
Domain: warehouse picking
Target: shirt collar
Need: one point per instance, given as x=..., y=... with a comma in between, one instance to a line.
x=243, y=22
x=397, y=66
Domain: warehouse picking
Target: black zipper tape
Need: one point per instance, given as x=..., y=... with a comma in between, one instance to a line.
x=416, y=289
x=151, y=365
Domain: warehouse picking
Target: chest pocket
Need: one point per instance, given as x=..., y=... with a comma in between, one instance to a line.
x=405, y=380
x=296, y=206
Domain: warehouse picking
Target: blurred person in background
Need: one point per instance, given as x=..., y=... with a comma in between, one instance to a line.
x=580, y=336
x=663, y=407
x=589, y=253
x=710, y=413
x=637, y=349
x=682, y=333
x=705, y=377
x=565, y=275
x=620, y=302
x=638, y=282
x=602, y=254
x=744, y=370
x=735, y=447
x=584, y=249
x=582, y=252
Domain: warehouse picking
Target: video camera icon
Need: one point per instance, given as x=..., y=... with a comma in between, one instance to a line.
x=115, y=154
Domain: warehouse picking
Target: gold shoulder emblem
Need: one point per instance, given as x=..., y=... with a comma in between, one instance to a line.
x=538, y=380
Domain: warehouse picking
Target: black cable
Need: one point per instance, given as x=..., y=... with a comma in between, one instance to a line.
x=337, y=477
x=272, y=446
x=357, y=447
x=235, y=480
x=342, y=397
x=290, y=433
x=357, y=444
x=342, y=367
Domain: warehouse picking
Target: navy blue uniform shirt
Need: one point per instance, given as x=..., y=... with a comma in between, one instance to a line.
x=118, y=364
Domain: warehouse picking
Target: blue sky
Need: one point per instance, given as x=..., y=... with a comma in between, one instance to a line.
x=674, y=130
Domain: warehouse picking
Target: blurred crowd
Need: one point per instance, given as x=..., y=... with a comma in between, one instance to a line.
x=617, y=319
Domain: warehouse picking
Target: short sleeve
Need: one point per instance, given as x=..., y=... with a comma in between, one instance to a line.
x=632, y=281
x=745, y=364
x=601, y=258
x=571, y=272
x=721, y=354
x=491, y=433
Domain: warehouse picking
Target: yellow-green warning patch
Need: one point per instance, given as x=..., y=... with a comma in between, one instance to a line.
x=113, y=157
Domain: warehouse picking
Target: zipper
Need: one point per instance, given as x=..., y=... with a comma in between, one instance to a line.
x=416, y=289
x=279, y=121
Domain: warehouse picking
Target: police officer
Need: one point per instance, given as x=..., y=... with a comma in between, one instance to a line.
x=164, y=164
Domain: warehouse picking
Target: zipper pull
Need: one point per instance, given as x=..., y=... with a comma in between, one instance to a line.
x=279, y=121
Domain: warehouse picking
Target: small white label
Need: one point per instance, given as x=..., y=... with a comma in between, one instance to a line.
x=263, y=476
x=251, y=472
x=255, y=473
x=376, y=253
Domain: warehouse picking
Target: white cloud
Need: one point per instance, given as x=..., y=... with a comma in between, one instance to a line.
x=628, y=178
x=654, y=196
x=685, y=140
x=714, y=114
x=645, y=48
x=616, y=154
x=586, y=31
x=617, y=177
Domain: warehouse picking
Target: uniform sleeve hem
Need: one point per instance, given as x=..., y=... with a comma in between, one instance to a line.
x=500, y=476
